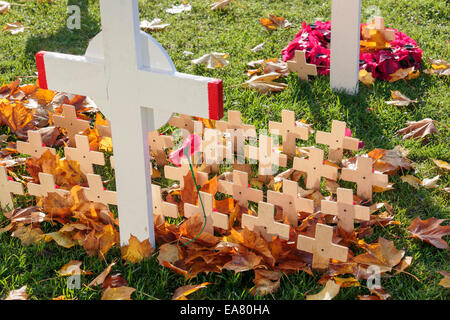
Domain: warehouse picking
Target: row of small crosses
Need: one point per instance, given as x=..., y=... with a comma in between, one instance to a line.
x=344, y=208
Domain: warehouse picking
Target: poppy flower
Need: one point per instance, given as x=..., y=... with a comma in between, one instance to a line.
x=191, y=145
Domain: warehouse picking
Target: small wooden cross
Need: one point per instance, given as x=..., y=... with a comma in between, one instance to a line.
x=47, y=185
x=322, y=247
x=289, y=131
x=337, y=140
x=265, y=223
x=83, y=154
x=240, y=190
x=345, y=209
x=161, y=207
x=235, y=122
x=178, y=174
x=315, y=168
x=364, y=177
x=213, y=218
x=8, y=187
x=34, y=147
x=158, y=143
x=290, y=201
x=236, y=132
x=300, y=66
x=378, y=25
x=70, y=122
x=267, y=154
x=97, y=193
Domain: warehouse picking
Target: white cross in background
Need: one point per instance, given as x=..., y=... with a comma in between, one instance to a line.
x=345, y=37
x=133, y=80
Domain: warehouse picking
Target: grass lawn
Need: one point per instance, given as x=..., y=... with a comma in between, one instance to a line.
x=236, y=31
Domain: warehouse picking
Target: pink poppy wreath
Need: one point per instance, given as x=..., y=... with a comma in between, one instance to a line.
x=403, y=52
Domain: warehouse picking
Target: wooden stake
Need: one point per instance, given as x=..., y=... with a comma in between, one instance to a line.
x=300, y=66
x=364, y=177
x=345, y=209
x=265, y=223
x=337, y=140
x=83, y=154
x=290, y=201
x=70, y=122
x=7, y=189
x=289, y=131
x=322, y=247
x=315, y=168
x=213, y=218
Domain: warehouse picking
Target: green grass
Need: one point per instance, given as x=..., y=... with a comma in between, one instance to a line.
x=236, y=31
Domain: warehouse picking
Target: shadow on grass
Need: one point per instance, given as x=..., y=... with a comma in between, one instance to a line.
x=65, y=40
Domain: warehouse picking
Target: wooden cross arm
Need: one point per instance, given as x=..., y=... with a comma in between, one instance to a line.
x=194, y=94
x=81, y=75
x=329, y=207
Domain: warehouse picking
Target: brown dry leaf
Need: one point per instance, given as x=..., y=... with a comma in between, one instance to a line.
x=136, y=251
x=120, y=293
x=220, y=4
x=17, y=117
x=191, y=228
x=401, y=74
x=19, y=294
x=418, y=129
x=366, y=77
x=28, y=234
x=445, y=281
x=254, y=241
x=4, y=7
x=266, y=282
x=14, y=27
x=382, y=253
x=168, y=252
x=441, y=164
x=73, y=267
x=431, y=231
x=213, y=60
x=100, y=279
x=154, y=25
x=400, y=99
x=416, y=183
x=243, y=261
x=377, y=294
x=265, y=83
x=62, y=239
x=182, y=292
x=439, y=67
x=114, y=281
x=330, y=291
x=389, y=161
x=274, y=22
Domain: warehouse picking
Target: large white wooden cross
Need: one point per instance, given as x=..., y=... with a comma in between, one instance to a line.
x=135, y=83
x=345, y=36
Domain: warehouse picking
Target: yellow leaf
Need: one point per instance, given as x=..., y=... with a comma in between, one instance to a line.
x=366, y=77
x=330, y=290
x=136, y=251
x=120, y=293
x=182, y=292
x=60, y=238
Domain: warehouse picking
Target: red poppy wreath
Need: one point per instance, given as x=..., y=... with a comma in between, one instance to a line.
x=385, y=57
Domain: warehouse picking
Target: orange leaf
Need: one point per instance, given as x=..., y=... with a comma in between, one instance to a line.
x=136, y=251
x=182, y=292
